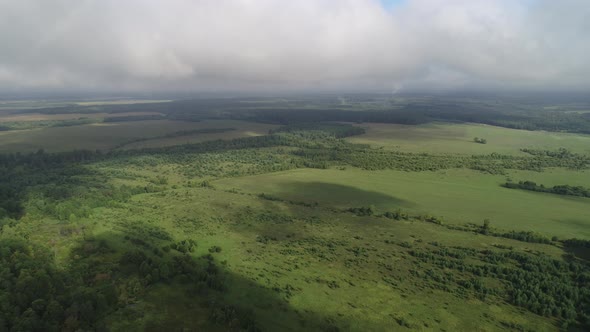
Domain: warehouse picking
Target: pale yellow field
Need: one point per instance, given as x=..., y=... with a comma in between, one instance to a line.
x=121, y=102
x=70, y=116
x=36, y=104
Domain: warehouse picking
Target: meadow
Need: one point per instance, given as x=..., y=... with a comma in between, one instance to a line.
x=107, y=136
x=458, y=138
x=69, y=116
x=9, y=106
x=217, y=217
x=458, y=196
x=305, y=262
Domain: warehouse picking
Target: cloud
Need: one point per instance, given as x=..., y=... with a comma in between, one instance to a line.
x=252, y=45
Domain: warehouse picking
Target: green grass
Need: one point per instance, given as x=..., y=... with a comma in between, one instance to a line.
x=362, y=300
x=106, y=136
x=554, y=177
x=460, y=196
x=308, y=268
x=12, y=105
x=458, y=138
x=242, y=129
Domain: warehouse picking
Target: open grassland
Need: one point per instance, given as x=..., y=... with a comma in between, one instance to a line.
x=295, y=268
x=237, y=129
x=458, y=138
x=281, y=233
x=66, y=116
x=460, y=196
x=106, y=136
x=120, y=102
x=13, y=105
x=553, y=177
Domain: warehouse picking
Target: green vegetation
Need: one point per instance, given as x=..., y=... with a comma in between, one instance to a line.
x=23, y=125
x=434, y=138
x=180, y=133
x=252, y=226
x=135, y=134
x=462, y=196
x=558, y=190
x=133, y=118
x=480, y=140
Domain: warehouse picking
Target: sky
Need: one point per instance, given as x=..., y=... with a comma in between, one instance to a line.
x=303, y=45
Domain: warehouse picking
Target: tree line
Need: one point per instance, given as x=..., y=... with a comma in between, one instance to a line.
x=562, y=189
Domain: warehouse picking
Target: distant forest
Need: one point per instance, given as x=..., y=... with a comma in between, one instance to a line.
x=542, y=115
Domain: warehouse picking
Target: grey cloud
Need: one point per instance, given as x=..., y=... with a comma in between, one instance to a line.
x=113, y=45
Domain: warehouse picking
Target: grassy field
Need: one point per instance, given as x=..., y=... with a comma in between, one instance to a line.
x=242, y=129
x=304, y=274
x=11, y=105
x=281, y=260
x=460, y=196
x=67, y=116
x=458, y=138
x=106, y=136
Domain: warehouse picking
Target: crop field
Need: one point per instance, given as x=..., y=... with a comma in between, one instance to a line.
x=236, y=129
x=106, y=136
x=458, y=138
x=9, y=106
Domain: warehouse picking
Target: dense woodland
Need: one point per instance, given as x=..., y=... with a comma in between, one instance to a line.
x=542, y=114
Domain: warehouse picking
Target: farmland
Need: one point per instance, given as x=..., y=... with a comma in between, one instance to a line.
x=106, y=136
x=213, y=215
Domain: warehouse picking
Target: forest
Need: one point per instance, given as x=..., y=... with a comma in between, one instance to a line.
x=503, y=112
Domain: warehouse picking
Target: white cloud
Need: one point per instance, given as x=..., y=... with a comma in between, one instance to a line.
x=275, y=44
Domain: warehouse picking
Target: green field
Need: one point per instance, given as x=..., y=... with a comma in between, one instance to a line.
x=460, y=196
x=315, y=282
x=241, y=129
x=106, y=136
x=306, y=265
x=458, y=138
x=233, y=225
x=14, y=105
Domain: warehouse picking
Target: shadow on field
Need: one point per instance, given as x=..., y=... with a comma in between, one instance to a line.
x=165, y=289
x=579, y=224
x=47, y=177
x=579, y=252
x=131, y=282
x=337, y=195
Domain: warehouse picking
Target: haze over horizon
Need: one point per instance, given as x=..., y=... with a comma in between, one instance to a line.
x=271, y=45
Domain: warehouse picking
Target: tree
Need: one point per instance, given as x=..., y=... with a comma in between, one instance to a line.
x=485, y=228
x=480, y=140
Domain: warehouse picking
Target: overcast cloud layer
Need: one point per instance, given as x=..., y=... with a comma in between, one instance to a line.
x=251, y=45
